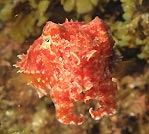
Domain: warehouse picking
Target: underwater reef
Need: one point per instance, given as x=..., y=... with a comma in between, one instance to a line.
x=22, y=21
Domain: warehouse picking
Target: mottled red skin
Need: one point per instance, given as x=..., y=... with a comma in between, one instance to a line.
x=70, y=62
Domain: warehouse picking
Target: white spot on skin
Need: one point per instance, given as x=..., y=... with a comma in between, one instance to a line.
x=41, y=92
x=76, y=56
x=88, y=85
x=97, y=118
x=49, y=86
x=60, y=58
x=71, y=122
x=60, y=78
x=19, y=71
x=29, y=83
x=87, y=98
x=92, y=115
x=102, y=32
x=43, y=72
x=79, y=123
x=37, y=71
x=79, y=87
x=15, y=65
x=20, y=57
x=91, y=54
x=61, y=121
x=32, y=72
x=43, y=81
x=38, y=79
x=55, y=77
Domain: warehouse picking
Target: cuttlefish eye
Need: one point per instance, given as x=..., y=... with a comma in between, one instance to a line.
x=46, y=41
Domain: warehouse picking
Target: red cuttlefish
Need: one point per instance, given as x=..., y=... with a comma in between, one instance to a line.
x=71, y=63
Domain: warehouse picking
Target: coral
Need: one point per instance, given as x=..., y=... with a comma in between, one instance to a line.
x=84, y=9
x=26, y=18
x=133, y=31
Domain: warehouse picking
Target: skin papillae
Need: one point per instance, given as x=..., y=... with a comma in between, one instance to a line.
x=71, y=63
